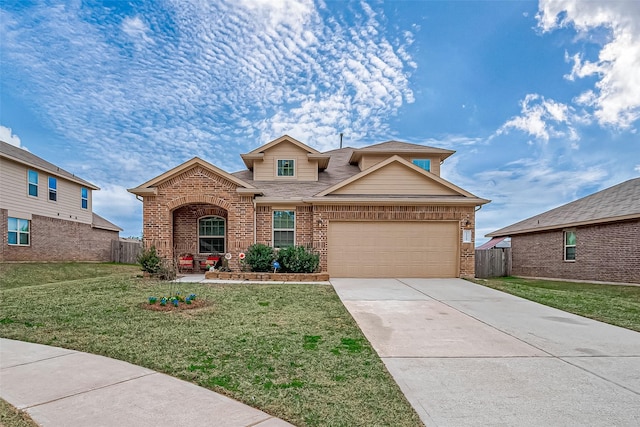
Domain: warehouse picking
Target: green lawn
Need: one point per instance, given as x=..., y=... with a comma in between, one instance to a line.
x=290, y=350
x=614, y=304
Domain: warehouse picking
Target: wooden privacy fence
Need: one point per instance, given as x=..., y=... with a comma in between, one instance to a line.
x=494, y=262
x=125, y=251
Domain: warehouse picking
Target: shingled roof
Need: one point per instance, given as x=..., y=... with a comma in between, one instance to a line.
x=20, y=155
x=616, y=203
x=337, y=171
x=399, y=147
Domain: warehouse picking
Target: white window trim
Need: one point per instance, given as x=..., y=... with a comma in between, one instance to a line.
x=224, y=236
x=37, y=183
x=565, y=246
x=18, y=232
x=83, y=198
x=286, y=176
x=274, y=229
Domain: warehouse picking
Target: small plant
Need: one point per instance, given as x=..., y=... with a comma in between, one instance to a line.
x=259, y=257
x=297, y=259
x=150, y=261
x=174, y=299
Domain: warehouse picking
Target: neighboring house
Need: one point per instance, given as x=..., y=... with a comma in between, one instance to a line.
x=46, y=212
x=596, y=238
x=378, y=211
x=496, y=243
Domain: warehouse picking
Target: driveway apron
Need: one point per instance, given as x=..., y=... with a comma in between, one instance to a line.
x=467, y=355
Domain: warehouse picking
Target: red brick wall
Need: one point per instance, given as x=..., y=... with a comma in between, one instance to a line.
x=196, y=189
x=54, y=239
x=264, y=225
x=607, y=253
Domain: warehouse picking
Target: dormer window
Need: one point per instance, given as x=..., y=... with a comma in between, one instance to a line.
x=286, y=168
x=423, y=163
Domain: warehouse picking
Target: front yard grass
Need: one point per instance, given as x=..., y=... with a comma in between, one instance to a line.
x=290, y=350
x=614, y=304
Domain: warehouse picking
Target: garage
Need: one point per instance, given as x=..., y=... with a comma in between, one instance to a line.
x=393, y=249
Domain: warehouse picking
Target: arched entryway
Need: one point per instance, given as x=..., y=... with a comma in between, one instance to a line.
x=200, y=229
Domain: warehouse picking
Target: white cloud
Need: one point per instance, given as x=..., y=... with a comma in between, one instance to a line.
x=138, y=98
x=616, y=97
x=6, y=135
x=135, y=28
x=543, y=118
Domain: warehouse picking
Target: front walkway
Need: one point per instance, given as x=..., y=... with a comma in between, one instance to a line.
x=65, y=388
x=467, y=355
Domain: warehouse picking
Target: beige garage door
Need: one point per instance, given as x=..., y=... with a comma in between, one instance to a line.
x=393, y=249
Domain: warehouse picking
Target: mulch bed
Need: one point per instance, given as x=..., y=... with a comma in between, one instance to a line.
x=170, y=307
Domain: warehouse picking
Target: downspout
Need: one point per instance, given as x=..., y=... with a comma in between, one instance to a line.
x=255, y=226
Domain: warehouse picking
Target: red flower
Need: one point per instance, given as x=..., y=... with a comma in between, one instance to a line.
x=241, y=255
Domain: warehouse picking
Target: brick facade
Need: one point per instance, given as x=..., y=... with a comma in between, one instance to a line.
x=182, y=199
x=53, y=239
x=170, y=218
x=606, y=252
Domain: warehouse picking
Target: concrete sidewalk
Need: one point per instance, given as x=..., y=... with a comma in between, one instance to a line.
x=59, y=387
x=467, y=355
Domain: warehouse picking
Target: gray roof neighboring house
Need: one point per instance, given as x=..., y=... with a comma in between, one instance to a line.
x=23, y=156
x=99, y=222
x=616, y=203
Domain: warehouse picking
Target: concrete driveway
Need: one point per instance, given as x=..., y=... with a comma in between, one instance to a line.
x=466, y=355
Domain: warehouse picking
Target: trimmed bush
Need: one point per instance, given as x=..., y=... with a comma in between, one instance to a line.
x=259, y=257
x=297, y=259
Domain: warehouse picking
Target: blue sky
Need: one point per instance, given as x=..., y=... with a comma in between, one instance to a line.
x=540, y=99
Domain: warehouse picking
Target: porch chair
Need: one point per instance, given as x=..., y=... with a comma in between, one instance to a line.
x=212, y=260
x=185, y=262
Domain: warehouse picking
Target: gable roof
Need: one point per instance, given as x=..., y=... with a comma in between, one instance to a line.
x=28, y=159
x=391, y=160
x=616, y=203
x=312, y=154
x=400, y=147
x=340, y=172
x=150, y=187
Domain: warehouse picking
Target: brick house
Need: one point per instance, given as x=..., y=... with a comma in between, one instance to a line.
x=377, y=211
x=46, y=212
x=596, y=238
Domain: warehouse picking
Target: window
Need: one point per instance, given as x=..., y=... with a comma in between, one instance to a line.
x=211, y=235
x=285, y=167
x=84, y=194
x=569, y=245
x=284, y=226
x=18, y=231
x=33, y=183
x=423, y=163
x=53, y=189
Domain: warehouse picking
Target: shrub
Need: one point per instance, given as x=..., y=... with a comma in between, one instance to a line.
x=149, y=260
x=259, y=257
x=297, y=259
